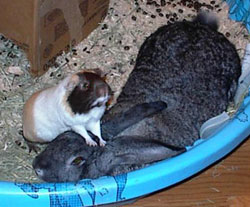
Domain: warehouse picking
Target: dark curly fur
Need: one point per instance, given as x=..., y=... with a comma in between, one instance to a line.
x=190, y=66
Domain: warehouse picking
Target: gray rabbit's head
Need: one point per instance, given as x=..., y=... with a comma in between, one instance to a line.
x=63, y=158
x=69, y=158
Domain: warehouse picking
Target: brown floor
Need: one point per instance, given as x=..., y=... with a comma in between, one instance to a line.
x=227, y=183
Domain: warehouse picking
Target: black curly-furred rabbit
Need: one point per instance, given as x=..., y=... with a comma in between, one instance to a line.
x=188, y=65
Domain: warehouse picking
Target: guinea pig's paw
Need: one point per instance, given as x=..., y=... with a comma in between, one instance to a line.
x=32, y=147
x=91, y=142
x=102, y=142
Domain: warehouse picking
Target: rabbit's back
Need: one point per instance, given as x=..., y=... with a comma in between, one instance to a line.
x=190, y=66
x=186, y=59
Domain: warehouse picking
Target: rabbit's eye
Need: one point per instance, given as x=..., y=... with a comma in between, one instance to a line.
x=78, y=161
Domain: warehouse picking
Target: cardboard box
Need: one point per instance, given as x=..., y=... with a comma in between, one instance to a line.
x=44, y=28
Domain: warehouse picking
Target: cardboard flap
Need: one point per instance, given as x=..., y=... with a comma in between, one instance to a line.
x=46, y=28
x=72, y=15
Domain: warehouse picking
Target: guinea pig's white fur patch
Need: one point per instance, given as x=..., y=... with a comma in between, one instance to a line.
x=28, y=119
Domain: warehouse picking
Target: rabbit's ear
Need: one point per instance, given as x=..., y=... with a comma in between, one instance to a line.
x=155, y=151
x=128, y=161
x=145, y=152
x=158, y=152
x=130, y=117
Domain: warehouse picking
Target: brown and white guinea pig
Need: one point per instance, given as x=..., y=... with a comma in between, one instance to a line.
x=77, y=103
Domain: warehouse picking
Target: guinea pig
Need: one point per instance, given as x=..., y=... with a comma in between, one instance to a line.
x=77, y=103
x=69, y=158
x=192, y=68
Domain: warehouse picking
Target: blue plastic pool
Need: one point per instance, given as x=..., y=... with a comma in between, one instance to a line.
x=106, y=190
x=134, y=184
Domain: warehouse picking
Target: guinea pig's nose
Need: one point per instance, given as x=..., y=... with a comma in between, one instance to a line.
x=39, y=172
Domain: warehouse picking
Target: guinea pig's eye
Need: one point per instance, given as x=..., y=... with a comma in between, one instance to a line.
x=84, y=86
x=78, y=161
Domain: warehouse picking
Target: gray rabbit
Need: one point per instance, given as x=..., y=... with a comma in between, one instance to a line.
x=185, y=73
x=192, y=68
x=69, y=158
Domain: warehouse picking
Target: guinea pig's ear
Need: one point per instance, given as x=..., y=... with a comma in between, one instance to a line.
x=76, y=161
x=72, y=82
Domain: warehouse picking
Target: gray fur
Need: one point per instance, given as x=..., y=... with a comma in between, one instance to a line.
x=120, y=155
x=192, y=68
